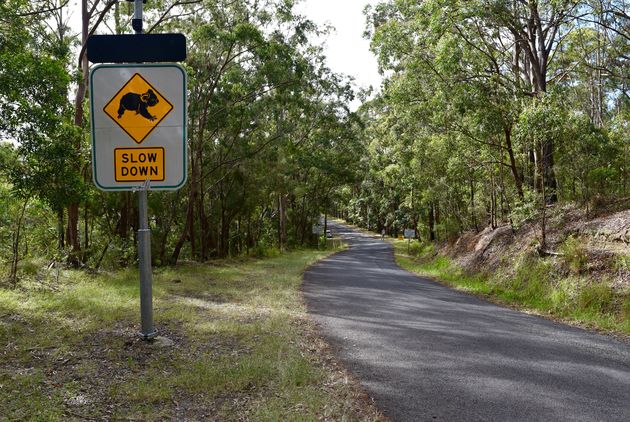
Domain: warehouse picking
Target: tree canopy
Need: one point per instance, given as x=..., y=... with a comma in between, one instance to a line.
x=490, y=112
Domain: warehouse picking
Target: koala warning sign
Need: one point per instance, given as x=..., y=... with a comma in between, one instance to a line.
x=138, y=108
x=138, y=119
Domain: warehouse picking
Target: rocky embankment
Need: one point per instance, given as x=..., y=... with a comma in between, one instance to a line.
x=601, y=246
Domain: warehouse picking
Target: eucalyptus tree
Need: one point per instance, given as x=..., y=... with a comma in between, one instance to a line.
x=34, y=82
x=254, y=99
x=482, y=97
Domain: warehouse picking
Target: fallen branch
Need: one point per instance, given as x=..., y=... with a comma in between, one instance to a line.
x=545, y=252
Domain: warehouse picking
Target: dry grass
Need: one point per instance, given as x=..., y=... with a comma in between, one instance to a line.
x=243, y=348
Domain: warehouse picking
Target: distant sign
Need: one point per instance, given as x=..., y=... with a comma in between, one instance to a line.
x=138, y=117
x=410, y=234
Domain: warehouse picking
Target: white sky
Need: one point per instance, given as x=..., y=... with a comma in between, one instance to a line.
x=346, y=50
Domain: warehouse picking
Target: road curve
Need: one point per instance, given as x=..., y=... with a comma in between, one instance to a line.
x=426, y=352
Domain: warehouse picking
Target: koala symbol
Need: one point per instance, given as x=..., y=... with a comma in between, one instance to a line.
x=138, y=103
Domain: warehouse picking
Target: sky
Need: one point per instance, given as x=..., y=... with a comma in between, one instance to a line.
x=346, y=49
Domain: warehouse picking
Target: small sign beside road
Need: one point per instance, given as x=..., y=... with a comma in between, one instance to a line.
x=410, y=234
x=138, y=114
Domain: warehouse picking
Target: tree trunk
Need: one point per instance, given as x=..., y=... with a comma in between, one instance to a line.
x=517, y=177
x=73, y=209
x=185, y=231
x=194, y=195
x=431, y=222
x=15, y=259
x=472, y=204
x=201, y=212
x=282, y=226
x=60, y=229
x=548, y=177
x=86, y=233
x=73, y=234
x=125, y=209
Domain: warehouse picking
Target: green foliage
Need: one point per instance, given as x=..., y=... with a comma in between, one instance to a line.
x=526, y=210
x=595, y=298
x=416, y=249
x=622, y=263
x=269, y=122
x=467, y=128
x=531, y=283
x=575, y=257
x=625, y=311
x=264, y=251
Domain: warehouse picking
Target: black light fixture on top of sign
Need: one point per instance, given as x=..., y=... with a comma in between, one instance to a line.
x=138, y=47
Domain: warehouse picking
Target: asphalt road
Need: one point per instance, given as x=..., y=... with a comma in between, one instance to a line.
x=427, y=353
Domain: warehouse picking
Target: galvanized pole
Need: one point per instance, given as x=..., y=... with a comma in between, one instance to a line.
x=136, y=22
x=147, y=331
x=144, y=254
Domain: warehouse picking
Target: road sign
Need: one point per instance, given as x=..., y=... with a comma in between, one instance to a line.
x=136, y=48
x=138, y=114
x=138, y=107
x=410, y=233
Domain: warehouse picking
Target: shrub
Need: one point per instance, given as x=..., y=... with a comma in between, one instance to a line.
x=622, y=263
x=31, y=266
x=625, y=309
x=415, y=249
x=423, y=250
x=531, y=284
x=595, y=297
x=575, y=257
x=264, y=251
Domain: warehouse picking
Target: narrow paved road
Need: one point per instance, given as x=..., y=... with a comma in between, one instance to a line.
x=428, y=353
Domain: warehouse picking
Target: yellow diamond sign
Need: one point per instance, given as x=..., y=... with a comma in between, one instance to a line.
x=138, y=108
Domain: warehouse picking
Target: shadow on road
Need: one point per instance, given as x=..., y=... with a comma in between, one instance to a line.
x=426, y=352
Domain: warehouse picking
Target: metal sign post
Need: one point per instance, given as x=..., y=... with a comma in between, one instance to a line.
x=136, y=22
x=147, y=330
x=138, y=115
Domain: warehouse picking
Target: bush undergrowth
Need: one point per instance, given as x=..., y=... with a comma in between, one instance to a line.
x=239, y=330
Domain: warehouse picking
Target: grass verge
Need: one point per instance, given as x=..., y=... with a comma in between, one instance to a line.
x=531, y=283
x=243, y=348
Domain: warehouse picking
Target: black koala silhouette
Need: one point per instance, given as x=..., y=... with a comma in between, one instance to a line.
x=138, y=103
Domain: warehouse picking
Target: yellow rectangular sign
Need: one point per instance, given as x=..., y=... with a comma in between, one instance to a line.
x=139, y=164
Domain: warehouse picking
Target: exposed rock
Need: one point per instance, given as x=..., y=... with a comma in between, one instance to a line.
x=162, y=342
